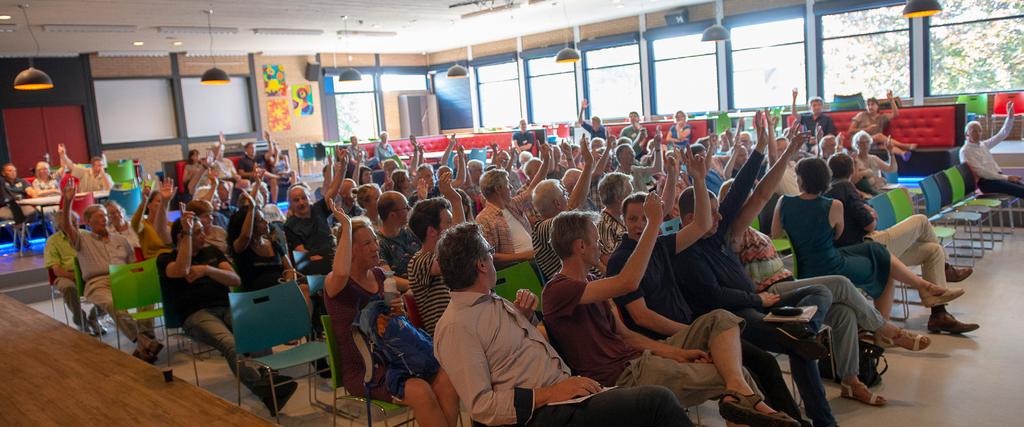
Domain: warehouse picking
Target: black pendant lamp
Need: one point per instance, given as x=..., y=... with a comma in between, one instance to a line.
x=214, y=76
x=716, y=33
x=31, y=78
x=349, y=74
x=921, y=8
x=457, y=72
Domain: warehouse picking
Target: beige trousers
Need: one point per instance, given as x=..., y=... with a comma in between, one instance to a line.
x=914, y=242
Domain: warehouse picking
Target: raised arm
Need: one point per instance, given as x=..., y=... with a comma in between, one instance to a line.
x=64, y=219
x=889, y=165
x=342, y=266
x=545, y=165
x=243, y=239
x=136, y=221
x=582, y=188
x=697, y=167
x=1004, y=132
x=892, y=103
x=339, y=169
x=183, y=262
x=583, y=109
x=448, y=150
x=670, y=197
x=766, y=188
x=65, y=161
x=461, y=170
x=444, y=186
x=629, y=279
x=160, y=216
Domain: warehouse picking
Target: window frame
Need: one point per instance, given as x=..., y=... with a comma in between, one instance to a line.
x=837, y=7
x=927, y=42
x=673, y=31
x=545, y=52
x=374, y=74
x=618, y=40
x=500, y=59
x=761, y=17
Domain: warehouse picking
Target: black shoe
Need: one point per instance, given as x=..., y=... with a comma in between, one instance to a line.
x=800, y=339
x=322, y=368
x=284, y=391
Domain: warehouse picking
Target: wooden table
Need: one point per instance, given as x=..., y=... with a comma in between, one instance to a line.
x=54, y=375
x=39, y=202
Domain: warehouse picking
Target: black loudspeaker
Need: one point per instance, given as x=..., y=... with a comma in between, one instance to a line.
x=313, y=71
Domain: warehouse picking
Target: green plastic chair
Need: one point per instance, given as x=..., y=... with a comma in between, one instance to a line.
x=401, y=164
x=334, y=359
x=516, y=277
x=122, y=172
x=270, y=317
x=137, y=287
x=723, y=122
x=976, y=104
x=781, y=245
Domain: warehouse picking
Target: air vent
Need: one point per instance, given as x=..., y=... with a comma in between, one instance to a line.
x=287, y=32
x=84, y=28
x=197, y=30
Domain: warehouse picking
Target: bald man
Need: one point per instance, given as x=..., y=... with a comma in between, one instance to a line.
x=397, y=242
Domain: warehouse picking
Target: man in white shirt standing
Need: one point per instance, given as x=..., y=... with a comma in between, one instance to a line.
x=978, y=155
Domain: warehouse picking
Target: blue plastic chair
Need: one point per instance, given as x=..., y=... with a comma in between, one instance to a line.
x=883, y=207
x=478, y=154
x=269, y=317
x=671, y=226
x=128, y=199
x=316, y=283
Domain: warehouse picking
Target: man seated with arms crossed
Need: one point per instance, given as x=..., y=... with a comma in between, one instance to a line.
x=636, y=134
x=502, y=366
x=94, y=178
x=504, y=219
x=98, y=249
x=308, y=227
x=525, y=139
x=817, y=117
x=196, y=279
x=977, y=153
x=598, y=345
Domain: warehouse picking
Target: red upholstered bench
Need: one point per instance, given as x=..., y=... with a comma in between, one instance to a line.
x=700, y=128
x=179, y=170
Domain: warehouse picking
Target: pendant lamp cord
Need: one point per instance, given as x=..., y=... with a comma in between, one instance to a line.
x=24, y=11
x=565, y=13
x=209, y=31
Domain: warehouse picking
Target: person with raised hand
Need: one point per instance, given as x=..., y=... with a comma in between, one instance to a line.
x=150, y=220
x=977, y=153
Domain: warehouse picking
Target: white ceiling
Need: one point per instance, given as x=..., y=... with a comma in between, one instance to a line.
x=422, y=25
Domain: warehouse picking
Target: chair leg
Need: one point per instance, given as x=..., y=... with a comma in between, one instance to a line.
x=334, y=409
x=273, y=395
x=195, y=368
x=238, y=381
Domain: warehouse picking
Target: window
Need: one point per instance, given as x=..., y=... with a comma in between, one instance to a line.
x=356, y=105
x=685, y=75
x=498, y=93
x=849, y=69
x=135, y=110
x=613, y=81
x=767, y=62
x=213, y=109
x=552, y=90
x=396, y=82
x=975, y=46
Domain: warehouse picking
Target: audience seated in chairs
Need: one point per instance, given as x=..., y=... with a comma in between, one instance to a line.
x=504, y=220
x=14, y=189
x=119, y=223
x=977, y=153
x=874, y=123
x=97, y=250
x=869, y=169
x=397, y=242
x=59, y=257
x=196, y=279
x=93, y=178
x=912, y=241
x=612, y=190
x=308, y=227
x=150, y=220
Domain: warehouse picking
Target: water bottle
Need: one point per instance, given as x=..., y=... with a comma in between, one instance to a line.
x=390, y=286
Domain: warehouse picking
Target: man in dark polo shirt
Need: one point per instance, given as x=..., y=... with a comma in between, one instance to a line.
x=525, y=139
x=816, y=117
x=308, y=228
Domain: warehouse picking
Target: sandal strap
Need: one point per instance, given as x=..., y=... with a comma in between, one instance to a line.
x=745, y=400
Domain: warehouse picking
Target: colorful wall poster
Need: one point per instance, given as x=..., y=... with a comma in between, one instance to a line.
x=302, y=100
x=277, y=115
x=273, y=80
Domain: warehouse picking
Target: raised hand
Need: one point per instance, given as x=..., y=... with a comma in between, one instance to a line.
x=796, y=92
x=444, y=182
x=1009, y=108
x=585, y=103
x=221, y=138
x=588, y=156
x=61, y=151
x=672, y=161
x=167, y=189
x=146, y=189
x=888, y=94
x=187, y=221
x=69, y=190
x=339, y=214
x=412, y=140
x=653, y=209
x=795, y=142
x=266, y=136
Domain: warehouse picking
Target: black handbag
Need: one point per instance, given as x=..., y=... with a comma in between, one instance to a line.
x=870, y=357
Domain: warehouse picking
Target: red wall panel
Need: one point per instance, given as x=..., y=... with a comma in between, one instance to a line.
x=32, y=132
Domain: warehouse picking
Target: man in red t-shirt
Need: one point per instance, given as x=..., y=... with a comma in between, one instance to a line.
x=596, y=344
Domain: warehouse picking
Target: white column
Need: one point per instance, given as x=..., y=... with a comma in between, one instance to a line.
x=579, y=68
x=474, y=100
x=723, y=75
x=522, y=80
x=811, y=36
x=645, y=81
x=918, y=62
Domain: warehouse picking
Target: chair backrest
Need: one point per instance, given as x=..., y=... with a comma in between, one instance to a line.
x=79, y=204
x=723, y=122
x=932, y=195
x=79, y=281
x=847, y=102
x=956, y=184
x=135, y=285
x=333, y=355
x=128, y=199
x=977, y=104
x=516, y=277
x=902, y=206
x=122, y=171
x=316, y=283
x=478, y=154
x=268, y=317
x=999, y=104
x=671, y=226
x=945, y=189
x=970, y=181
x=883, y=207
x=301, y=260
x=757, y=223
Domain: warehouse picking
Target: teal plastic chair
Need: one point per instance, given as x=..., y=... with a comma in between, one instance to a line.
x=128, y=199
x=316, y=283
x=886, y=214
x=269, y=317
x=478, y=154
x=137, y=287
x=516, y=277
x=334, y=359
x=671, y=226
x=122, y=172
x=847, y=102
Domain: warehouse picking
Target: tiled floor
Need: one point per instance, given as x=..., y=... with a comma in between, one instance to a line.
x=973, y=380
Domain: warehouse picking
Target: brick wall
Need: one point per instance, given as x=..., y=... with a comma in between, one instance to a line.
x=107, y=67
x=303, y=128
x=151, y=158
x=194, y=66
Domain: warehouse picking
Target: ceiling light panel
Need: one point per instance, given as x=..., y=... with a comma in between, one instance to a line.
x=197, y=30
x=83, y=28
x=343, y=33
x=8, y=28
x=287, y=32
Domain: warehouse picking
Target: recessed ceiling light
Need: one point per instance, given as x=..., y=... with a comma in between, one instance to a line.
x=5, y=17
x=620, y=6
x=177, y=43
x=375, y=26
x=616, y=1
x=137, y=43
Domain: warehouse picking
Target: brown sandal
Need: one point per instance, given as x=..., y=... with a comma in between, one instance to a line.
x=873, y=400
x=744, y=411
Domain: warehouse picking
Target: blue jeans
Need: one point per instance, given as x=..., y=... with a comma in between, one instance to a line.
x=1001, y=187
x=805, y=372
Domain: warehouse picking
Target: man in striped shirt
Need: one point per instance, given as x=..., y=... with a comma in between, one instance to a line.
x=549, y=200
x=503, y=220
x=430, y=218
